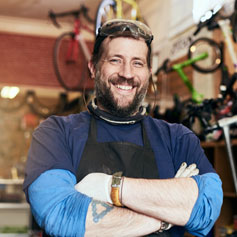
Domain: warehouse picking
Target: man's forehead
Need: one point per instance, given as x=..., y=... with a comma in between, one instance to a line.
x=125, y=46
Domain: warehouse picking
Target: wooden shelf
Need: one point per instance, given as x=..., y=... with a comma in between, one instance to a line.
x=230, y=195
x=14, y=206
x=217, y=143
x=11, y=181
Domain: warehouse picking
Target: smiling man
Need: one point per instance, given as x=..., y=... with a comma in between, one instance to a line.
x=122, y=80
x=113, y=170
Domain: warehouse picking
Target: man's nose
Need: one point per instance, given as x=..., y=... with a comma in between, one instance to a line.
x=126, y=71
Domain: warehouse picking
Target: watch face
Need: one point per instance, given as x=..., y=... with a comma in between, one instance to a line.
x=116, y=179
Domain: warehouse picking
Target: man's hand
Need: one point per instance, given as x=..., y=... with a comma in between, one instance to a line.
x=185, y=172
x=97, y=186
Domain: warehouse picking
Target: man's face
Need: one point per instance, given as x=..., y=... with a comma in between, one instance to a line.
x=122, y=75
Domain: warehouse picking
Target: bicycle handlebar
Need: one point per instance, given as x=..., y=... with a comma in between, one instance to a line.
x=221, y=123
x=76, y=13
x=227, y=121
x=211, y=24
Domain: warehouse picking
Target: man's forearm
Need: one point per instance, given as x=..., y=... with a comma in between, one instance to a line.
x=106, y=220
x=170, y=200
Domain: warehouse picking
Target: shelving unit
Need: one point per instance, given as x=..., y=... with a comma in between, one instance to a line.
x=217, y=154
x=14, y=211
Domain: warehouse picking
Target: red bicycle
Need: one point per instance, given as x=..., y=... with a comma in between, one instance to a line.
x=71, y=52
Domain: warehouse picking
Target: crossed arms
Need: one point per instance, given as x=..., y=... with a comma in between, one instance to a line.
x=62, y=211
x=147, y=206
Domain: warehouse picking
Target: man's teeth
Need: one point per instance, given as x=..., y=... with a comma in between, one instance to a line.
x=124, y=87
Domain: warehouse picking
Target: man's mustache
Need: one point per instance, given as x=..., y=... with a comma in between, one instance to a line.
x=124, y=81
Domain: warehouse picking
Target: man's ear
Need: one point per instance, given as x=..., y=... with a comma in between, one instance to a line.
x=92, y=70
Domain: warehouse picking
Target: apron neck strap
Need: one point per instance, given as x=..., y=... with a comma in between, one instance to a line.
x=93, y=132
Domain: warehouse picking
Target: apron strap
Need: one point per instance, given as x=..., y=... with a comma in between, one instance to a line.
x=93, y=133
x=146, y=141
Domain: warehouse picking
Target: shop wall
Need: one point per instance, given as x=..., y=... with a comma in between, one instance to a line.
x=27, y=60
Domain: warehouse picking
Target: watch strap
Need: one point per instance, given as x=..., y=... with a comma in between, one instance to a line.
x=115, y=188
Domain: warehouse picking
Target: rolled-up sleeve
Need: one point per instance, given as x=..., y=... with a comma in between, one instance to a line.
x=57, y=207
x=208, y=205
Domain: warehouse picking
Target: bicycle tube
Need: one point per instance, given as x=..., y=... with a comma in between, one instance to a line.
x=105, y=11
x=71, y=73
x=135, y=14
x=215, y=59
x=225, y=27
x=196, y=97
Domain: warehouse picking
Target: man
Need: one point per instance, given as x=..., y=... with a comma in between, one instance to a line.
x=113, y=171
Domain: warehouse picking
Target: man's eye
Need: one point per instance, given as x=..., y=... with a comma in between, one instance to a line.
x=138, y=64
x=115, y=61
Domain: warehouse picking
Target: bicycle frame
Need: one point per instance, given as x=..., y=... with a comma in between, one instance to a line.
x=72, y=53
x=225, y=28
x=135, y=10
x=196, y=97
x=73, y=47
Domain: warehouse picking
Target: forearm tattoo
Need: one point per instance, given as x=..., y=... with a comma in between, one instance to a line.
x=99, y=215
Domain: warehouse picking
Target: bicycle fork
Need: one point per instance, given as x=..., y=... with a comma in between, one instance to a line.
x=225, y=125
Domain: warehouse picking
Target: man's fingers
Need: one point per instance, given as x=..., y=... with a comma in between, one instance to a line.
x=181, y=169
x=189, y=171
x=194, y=172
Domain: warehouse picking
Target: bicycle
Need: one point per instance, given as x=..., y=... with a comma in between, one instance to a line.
x=71, y=52
x=195, y=96
x=110, y=9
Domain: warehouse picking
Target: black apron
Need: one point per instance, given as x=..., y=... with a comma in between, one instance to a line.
x=109, y=157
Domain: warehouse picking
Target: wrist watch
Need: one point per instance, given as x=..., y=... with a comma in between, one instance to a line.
x=115, y=188
x=163, y=226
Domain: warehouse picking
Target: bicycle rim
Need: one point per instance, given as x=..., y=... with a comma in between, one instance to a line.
x=214, y=59
x=105, y=11
x=72, y=74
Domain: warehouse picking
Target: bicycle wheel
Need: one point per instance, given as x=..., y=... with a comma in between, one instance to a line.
x=214, y=59
x=105, y=11
x=71, y=72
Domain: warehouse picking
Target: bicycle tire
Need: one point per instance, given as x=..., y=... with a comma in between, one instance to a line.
x=74, y=75
x=102, y=13
x=213, y=61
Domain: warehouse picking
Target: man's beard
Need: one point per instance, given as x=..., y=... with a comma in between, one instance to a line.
x=106, y=99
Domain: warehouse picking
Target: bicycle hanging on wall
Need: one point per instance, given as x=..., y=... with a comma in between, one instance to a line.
x=71, y=52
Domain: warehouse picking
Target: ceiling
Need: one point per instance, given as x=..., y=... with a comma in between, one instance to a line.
x=38, y=9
